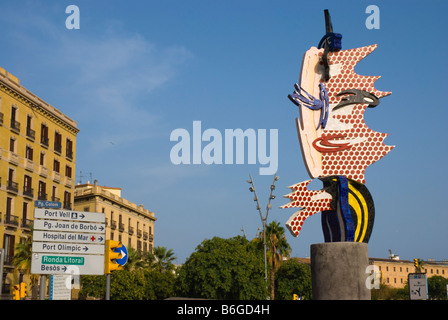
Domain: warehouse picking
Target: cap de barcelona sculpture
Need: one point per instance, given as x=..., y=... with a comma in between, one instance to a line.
x=336, y=144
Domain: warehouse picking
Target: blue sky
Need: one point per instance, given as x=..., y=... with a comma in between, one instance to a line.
x=135, y=71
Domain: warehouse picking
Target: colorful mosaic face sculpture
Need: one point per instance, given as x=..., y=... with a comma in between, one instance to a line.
x=336, y=144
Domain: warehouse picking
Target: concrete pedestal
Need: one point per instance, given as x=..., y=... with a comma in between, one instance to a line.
x=338, y=271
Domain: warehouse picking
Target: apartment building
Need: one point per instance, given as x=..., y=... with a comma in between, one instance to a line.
x=394, y=272
x=126, y=221
x=37, y=162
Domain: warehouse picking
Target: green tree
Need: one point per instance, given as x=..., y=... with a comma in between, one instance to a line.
x=223, y=269
x=437, y=288
x=161, y=259
x=159, y=285
x=135, y=260
x=293, y=277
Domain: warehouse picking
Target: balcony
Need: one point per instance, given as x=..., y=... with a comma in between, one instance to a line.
x=30, y=133
x=12, y=186
x=113, y=224
x=41, y=195
x=69, y=182
x=67, y=205
x=29, y=165
x=28, y=191
x=43, y=171
x=57, y=148
x=11, y=221
x=131, y=231
x=44, y=141
x=56, y=176
x=26, y=224
x=69, y=154
x=14, y=158
x=1, y=119
x=121, y=227
x=15, y=126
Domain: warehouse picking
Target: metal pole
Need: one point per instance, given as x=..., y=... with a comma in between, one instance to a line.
x=42, y=292
x=107, y=286
x=264, y=218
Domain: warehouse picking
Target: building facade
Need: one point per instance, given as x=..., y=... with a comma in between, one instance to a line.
x=127, y=222
x=394, y=272
x=37, y=162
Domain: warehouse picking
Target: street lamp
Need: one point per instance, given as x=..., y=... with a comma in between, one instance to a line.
x=263, y=217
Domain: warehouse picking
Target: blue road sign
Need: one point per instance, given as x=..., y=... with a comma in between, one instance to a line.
x=47, y=204
x=124, y=253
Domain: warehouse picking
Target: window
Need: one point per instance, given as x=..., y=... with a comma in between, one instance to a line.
x=12, y=185
x=42, y=192
x=44, y=134
x=53, y=194
x=69, y=148
x=67, y=200
x=68, y=171
x=29, y=153
x=24, y=213
x=27, y=190
x=57, y=142
x=15, y=125
x=30, y=133
x=42, y=159
x=56, y=165
x=8, y=207
x=12, y=144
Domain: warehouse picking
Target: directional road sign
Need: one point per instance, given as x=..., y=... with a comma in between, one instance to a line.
x=68, y=241
x=51, y=214
x=124, y=255
x=52, y=263
x=53, y=225
x=73, y=237
x=62, y=247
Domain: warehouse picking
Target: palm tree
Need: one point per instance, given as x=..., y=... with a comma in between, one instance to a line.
x=135, y=260
x=22, y=261
x=161, y=259
x=277, y=249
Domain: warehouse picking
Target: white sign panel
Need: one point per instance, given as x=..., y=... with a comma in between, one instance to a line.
x=39, y=235
x=43, y=263
x=418, y=286
x=62, y=247
x=50, y=225
x=55, y=214
x=68, y=242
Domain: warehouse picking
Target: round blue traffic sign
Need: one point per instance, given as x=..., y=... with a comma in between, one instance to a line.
x=124, y=255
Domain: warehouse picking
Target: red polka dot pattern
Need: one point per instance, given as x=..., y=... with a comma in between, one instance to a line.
x=309, y=200
x=347, y=78
x=352, y=162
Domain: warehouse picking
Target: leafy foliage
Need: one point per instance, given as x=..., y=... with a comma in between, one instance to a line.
x=291, y=278
x=224, y=269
